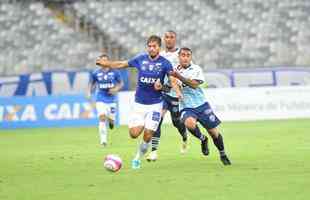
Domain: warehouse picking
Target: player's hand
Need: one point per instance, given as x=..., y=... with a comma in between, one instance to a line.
x=88, y=96
x=179, y=95
x=174, y=74
x=113, y=91
x=158, y=85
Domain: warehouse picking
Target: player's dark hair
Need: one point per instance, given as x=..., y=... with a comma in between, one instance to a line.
x=172, y=31
x=104, y=56
x=185, y=49
x=154, y=38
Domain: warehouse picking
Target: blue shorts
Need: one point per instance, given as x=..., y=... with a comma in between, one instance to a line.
x=171, y=104
x=203, y=114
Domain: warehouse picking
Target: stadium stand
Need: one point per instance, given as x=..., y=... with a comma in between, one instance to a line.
x=222, y=33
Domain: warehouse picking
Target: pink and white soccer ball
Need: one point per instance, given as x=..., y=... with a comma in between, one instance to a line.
x=112, y=162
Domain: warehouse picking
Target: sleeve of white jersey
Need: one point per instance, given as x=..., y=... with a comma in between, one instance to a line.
x=197, y=74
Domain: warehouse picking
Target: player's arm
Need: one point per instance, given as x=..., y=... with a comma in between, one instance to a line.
x=117, y=87
x=175, y=86
x=112, y=64
x=187, y=81
x=91, y=88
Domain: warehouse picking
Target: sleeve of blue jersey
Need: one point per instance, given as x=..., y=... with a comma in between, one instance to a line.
x=92, y=78
x=118, y=76
x=134, y=62
x=169, y=66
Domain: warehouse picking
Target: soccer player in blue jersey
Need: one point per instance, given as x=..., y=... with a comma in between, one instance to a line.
x=108, y=82
x=171, y=102
x=195, y=108
x=152, y=69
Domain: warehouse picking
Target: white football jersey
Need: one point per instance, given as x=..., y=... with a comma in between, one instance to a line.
x=192, y=98
x=173, y=57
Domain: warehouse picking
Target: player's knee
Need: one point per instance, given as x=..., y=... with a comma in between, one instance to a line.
x=134, y=133
x=148, y=135
x=214, y=132
x=190, y=123
x=102, y=117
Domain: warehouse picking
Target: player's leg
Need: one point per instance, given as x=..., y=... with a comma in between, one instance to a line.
x=156, y=138
x=210, y=122
x=190, y=120
x=219, y=143
x=176, y=121
x=152, y=120
x=102, y=110
x=111, y=115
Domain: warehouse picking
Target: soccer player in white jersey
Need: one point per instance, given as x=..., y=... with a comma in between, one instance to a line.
x=194, y=106
x=152, y=69
x=107, y=82
x=171, y=102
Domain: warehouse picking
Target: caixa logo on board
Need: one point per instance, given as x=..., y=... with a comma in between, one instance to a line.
x=52, y=111
x=69, y=111
x=18, y=113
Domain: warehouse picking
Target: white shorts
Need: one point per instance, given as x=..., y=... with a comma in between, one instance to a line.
x=147, y=116
x=107, y=109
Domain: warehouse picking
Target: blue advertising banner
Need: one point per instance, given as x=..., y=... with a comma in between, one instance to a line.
x=50, y=83
x=47, y=111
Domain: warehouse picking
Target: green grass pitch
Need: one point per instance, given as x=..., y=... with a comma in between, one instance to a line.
x=271, y=160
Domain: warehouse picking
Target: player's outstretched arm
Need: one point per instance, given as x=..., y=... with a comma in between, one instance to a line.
x=90, y=89
x=112, y=64
x=190, y=82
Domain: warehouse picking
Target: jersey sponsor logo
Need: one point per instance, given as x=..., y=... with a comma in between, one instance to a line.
x=106, y=85
x=147, y=80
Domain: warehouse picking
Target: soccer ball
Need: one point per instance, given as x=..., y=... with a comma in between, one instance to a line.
x=112, y=163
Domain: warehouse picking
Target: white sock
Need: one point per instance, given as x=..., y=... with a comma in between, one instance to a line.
x=142, y=149
x=103, y=132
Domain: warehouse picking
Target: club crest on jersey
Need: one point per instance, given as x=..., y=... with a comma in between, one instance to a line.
x=151, y=67
x=143, y=68
x=157, y=67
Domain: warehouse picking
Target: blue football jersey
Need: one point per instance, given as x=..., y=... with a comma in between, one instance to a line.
x=148, y=72
x=105, y=80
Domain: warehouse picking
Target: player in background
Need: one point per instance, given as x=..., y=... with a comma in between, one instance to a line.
x=108, y=82
x=152, y=69
x=171, y=102
x=194, y=106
